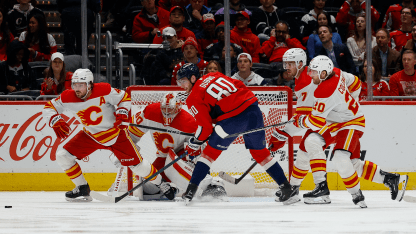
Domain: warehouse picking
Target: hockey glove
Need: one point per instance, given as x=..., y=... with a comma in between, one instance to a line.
x=122, y=115
x=278, y=139
x=194, y=147
x=168, y=189
x=60, y=127
x=299, y=121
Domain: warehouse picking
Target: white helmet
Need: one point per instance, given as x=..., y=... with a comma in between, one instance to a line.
x=170, y=105
x=319, y=64
x=294, y=55
x=83, y=76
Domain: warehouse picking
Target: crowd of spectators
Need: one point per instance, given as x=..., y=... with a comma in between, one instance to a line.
x=192, y=31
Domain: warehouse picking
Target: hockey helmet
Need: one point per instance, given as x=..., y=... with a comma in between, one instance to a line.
x=318, y=65
x=82, y=76
x=170, y=105
x=187, y=71
x=294, y=55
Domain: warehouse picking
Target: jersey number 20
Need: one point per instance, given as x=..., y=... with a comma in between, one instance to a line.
x=221, y=88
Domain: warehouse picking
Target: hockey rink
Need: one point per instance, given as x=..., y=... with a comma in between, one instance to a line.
x=48, y=212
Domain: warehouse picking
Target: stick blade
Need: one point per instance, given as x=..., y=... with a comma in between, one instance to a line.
x=226, y=177
x=103, y=198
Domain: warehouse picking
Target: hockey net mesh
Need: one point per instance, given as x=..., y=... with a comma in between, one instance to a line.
x=275, y=106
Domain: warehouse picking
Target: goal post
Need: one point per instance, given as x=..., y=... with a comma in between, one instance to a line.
x=276, y=105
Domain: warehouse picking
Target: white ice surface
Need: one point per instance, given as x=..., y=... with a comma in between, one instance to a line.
x=48, y=212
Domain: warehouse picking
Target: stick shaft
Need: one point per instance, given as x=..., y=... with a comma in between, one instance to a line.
x=259, y=129
x=161, y=129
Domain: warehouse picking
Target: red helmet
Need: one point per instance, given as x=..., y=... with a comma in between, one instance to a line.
x=170, y=105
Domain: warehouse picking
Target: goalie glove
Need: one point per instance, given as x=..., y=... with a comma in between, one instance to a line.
x=168, y=189
x=122, y=115
x=193, y=148
x=278, y=139
x=60, y=127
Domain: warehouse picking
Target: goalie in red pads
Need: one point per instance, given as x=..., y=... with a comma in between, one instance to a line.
x=168, y=113
x=338, y=111
x=216, y=98
x=101, y=110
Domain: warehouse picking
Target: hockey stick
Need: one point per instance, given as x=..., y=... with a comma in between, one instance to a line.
x=105, y=198
x=159, y=129
x=223, y=134
x=233, y=180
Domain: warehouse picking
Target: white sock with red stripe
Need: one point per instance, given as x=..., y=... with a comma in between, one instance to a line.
x=300, y=168
x=70, y=166
x=346, y=170
x=368, y=171
x=145, y=170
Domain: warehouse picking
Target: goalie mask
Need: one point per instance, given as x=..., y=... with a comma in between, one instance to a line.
x=318, y=65
x=170, y=107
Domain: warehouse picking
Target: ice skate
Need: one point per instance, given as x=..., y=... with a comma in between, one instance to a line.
x=169, y=190
x=320, y=195
x=279, y=192
x=289, y=194
x=190, y=193
x=392, y=181
x=358, y=199
x=215, y=191
x=79, y=194
x=403, y=179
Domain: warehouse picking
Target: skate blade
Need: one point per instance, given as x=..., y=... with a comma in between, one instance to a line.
x=362, y=204
x=400, y=194
x=291, y=200
x=80, y=199
x=317, y=200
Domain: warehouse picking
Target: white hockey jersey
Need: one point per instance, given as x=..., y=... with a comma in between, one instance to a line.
x=335, y=107
x=96, y=113
x=152, y=116
x=252, y=79
x=305, y=88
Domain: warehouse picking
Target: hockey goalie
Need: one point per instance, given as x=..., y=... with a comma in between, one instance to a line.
x=168, y=114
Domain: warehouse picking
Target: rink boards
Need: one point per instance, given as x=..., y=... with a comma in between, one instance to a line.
x=28, y=147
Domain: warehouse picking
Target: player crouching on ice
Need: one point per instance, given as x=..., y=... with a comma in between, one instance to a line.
x=168, y=114
x=94, y=105
x=216, y=98
x=336, y=109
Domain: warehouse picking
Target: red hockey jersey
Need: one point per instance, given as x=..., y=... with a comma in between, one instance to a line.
x=249, y=41
x=392, y=20
x=399, y=39
x=216, y=97
x=380, y=88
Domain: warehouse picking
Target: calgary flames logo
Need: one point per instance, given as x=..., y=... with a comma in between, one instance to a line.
x=85, y=116
x=160, y=138
x=168, y=98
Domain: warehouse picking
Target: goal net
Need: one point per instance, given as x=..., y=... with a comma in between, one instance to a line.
x=276, y=106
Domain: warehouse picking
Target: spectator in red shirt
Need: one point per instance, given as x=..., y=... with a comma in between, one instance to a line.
x=401, y=36
x=176, y=19
x=279, y=43
x=5, y=36
x=57, y=78
x=349, y=12
x=392, y=20
x=380, y=87
x=208, y=35
x=190, y=53
x=403, y=83
x=148, y=22
x=242, y=36
x=41, y=44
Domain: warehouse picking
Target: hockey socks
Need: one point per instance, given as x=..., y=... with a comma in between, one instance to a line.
x=276, y=172
x=346, y=171
x=75, y=174
x=201, y=170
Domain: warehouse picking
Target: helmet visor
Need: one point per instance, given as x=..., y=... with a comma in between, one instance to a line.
x=289, y=64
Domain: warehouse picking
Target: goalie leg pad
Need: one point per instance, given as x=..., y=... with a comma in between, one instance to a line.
x=145, y=170
x=300, y=168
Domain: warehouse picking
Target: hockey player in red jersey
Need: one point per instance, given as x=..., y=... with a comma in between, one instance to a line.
x=94, y=105
x=168, y=114
x=216, y=98
x=336, y=109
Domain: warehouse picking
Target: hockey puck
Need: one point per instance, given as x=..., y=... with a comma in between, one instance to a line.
x=7, y=206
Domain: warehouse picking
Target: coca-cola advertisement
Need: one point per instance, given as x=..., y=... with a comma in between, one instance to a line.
x=28, y=144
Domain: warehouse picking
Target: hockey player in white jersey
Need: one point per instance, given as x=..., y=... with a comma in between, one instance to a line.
x=94, y=105
x=336, y=110
x=311, y=149
x=168, y=113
